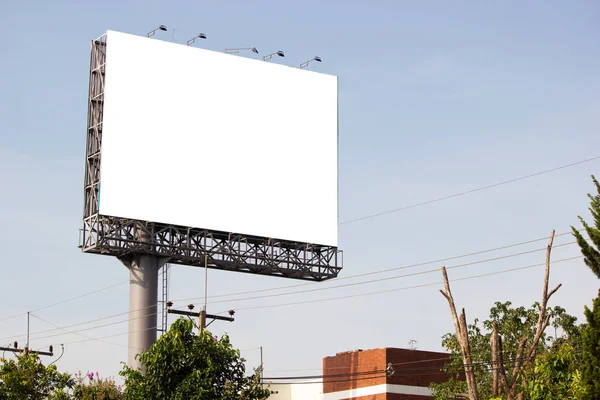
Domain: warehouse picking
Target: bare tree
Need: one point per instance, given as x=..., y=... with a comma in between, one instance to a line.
x=462, y=334
x=501, y=383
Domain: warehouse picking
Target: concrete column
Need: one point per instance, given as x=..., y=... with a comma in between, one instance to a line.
x=143, y=296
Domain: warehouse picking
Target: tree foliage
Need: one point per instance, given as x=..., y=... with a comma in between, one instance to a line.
x=591, y=254
x=513, y=324
x=555, y=374
x=91, y=387
x=590, y=372
x=25, y=377
x=185, y=366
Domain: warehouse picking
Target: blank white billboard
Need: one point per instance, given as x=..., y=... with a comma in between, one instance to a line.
x=215, y=141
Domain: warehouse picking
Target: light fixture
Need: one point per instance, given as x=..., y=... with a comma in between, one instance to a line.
x=305, y=63
x=160, y=28
x=198, y=36
x=233, y=51
x=269, y=56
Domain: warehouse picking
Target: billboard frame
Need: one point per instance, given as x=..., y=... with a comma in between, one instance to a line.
x=123, y=238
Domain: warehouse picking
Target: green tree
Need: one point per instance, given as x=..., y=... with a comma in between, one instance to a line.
x=185, y=366
x=513, y=324
x=91, y=387
x=591, y=254
x=26, y=378
x=555, y=375
x=590, y=372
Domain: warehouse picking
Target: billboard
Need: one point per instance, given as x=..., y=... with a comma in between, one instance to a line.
x=208, y=140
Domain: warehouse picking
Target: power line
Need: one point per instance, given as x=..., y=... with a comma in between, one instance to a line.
x=318, y=300
x=343, y=223
x=82, y=323
x=276, y=305
x=97, y=327
x=378, y=271
x=276, y=288
x=110, y=336
x=446, y=370
x=367, y=365
x=392, y=277
x=343, y=297
x=67, y=300
x=406, y=287
x=78, y=334
x=364, y=294
x=395, y=210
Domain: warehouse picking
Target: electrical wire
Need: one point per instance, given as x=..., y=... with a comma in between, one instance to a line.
x=378, y=271
x=357, y=283
x=364, y=365
x=322, y=300
x=82, y=323
x=76, y=333
x=97, y=327
x=395, y=210
x=404, y=288
x=363, y=294
x=348, y=222
x=349, y=296
x=80, y=296
x=392, y=277
x=295, y=285
x=66, y=300
x=446, y=370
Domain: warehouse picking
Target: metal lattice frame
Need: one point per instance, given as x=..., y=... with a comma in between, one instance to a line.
x=123, y=237
x=164, y=298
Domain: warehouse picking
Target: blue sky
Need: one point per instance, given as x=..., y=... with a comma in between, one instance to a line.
x=434, y=98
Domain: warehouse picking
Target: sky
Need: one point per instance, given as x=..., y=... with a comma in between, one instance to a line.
x=435, y=98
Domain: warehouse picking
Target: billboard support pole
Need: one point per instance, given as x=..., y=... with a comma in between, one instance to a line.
x=143, y=298
x=143, y=292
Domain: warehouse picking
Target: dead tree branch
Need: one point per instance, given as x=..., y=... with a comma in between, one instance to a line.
x=526, y=358
x=462, y=335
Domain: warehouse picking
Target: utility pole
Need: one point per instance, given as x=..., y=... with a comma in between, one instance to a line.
x=16, y=349
x=200, y=315
x=28, y=314
x=262, y=367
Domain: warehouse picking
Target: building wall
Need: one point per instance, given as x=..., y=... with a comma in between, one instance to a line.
x=361, y=374
x=301, y=390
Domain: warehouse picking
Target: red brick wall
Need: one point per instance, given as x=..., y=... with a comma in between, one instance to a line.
x=356, y=369
x=413, y=368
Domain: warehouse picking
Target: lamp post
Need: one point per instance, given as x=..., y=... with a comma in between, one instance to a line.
x=269, y=56
x=160, y=28
x=198, y=36
x=305, y=63
x=237, y=50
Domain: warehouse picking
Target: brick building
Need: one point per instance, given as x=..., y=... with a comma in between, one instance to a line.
x=361, y=374
x=365, y=375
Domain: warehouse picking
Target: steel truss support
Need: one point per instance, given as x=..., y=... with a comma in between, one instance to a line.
x=187, y=246
x=164, y=298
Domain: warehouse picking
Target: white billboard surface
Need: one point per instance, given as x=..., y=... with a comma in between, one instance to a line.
x=216, y=141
